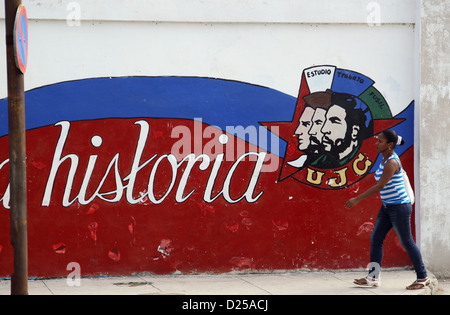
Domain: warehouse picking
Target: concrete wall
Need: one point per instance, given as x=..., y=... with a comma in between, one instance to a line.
x=434, y=148
x=233, y=41
x=257, y=44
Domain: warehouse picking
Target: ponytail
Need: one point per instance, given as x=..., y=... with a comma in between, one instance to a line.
x=392, y=136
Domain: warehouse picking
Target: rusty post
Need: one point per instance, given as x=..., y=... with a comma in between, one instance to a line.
x=17, y=158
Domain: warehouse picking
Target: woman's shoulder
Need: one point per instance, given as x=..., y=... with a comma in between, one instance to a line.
x=394, y=161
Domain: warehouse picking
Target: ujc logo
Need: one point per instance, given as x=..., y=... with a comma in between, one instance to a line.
x=330, y=138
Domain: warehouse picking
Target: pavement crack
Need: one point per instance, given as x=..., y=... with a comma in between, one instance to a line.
x=237, y=277
x=47, y=287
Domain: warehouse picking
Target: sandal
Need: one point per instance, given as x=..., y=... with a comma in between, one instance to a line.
x=419, y=284
x=367, y=281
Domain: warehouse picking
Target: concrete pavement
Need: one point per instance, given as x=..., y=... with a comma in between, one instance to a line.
x=393, y=282
x=443, y=287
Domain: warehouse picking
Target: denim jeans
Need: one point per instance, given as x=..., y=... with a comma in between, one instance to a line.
x=399, y=218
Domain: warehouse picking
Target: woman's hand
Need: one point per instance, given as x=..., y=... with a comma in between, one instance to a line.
x=351, y=203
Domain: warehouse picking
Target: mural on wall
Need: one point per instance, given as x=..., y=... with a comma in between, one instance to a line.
x=330, y=139
x=165, y=174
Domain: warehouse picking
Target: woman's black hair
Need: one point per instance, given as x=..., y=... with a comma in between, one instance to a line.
x=392, y=136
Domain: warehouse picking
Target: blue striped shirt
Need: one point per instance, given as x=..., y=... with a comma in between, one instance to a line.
x=394, y=192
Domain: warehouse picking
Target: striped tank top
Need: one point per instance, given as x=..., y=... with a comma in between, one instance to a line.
x=394, y=192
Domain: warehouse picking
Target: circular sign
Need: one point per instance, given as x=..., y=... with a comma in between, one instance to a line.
x=21, y=38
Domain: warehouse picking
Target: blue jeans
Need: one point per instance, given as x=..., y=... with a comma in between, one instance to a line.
x=399, y=218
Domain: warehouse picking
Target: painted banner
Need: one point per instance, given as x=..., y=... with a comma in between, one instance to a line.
x=191, y=174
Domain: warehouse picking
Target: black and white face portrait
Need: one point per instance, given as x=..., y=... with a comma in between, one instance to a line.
x=304, y=125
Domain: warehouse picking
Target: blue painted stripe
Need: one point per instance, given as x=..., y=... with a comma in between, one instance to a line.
x=217, y=102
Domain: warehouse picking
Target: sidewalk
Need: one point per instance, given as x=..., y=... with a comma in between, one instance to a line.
x=393, y=282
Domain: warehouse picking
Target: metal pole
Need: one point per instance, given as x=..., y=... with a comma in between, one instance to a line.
x=17, y=158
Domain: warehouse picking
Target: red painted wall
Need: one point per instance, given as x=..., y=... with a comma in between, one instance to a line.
x=223, y=214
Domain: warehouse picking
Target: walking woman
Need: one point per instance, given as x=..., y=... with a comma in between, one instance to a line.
x=394, y=213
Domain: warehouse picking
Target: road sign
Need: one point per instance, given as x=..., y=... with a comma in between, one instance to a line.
x=21, y=38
